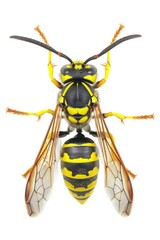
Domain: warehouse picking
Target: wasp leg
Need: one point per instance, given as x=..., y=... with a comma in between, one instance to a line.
x=93, y=133
x=108, y=64
x=51, y=73
x=37, y=114
x=106, y=72
x=123, y=117
x=65, y=133
x=50, y=65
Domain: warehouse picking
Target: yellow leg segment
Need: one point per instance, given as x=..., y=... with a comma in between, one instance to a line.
x=37, y=114
x=51, y=73
x=123, y=117
x=50, y=65
x=108, y=64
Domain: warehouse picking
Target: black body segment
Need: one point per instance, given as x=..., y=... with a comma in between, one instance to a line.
x=80, y=166
x=78, y=96
x=77, y=99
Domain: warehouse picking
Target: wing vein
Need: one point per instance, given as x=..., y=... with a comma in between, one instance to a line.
x=117, y=182
x=40, y=180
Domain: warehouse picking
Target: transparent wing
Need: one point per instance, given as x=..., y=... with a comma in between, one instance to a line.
x=41, y=173
x=117, y=182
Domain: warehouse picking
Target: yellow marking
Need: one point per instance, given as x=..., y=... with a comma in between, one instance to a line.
x=107, y=71
x=79, y=145
x=96, y=94
x=66, y=158
x=49, y=57
x=83, y=119
x=91, y=173
x=81, y=197
x=82, y=201
x=72, y=119
x=91, y=78
x=83, y=111
x=61, y=99
x=65, y=77
x=89, y=103
x=69, y=66
x=80, y=189
x=88, y=89
x=65, y=102
x=72, y=111
x=87, y=66
x=51, y=73
x=94, y=99
x=66, y=89
x=78, y=66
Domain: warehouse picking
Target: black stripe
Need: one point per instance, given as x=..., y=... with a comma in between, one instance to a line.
x=79, y=139
x=80, y=168
x=77, y=96
x=81, y=193
x=78, y=151
x=80, y=182
x=79, y=116
x=81, y=199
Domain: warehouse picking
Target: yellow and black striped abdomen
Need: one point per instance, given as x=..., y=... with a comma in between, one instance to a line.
x=80, y=166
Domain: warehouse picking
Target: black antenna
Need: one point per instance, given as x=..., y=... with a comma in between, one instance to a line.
x=41, y=44
x=112, y=46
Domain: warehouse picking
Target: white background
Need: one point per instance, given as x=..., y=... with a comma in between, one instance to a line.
x=80, y=29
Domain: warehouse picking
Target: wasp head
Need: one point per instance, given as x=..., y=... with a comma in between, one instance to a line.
x=78, y=71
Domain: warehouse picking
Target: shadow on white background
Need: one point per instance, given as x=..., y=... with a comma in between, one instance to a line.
x=80, y=29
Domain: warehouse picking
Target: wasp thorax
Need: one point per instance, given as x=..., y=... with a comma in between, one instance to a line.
x=78, y=71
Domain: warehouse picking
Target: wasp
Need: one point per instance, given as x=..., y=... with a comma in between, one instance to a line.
x=78, y=104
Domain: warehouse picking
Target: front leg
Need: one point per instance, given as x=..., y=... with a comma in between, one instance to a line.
x=108, y=64
x=50, y=65
x=51, y=73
